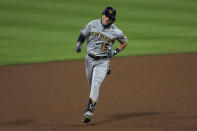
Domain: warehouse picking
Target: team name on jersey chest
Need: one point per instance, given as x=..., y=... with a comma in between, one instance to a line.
x=101, y=35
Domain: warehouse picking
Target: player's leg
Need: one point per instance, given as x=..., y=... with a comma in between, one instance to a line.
x=89, y=69
x=89, y=64
x=89, y=110
x=99, y=73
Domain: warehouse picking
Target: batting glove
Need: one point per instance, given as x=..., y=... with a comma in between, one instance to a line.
x=116, y=51
x=113, y=52
x=78, y=48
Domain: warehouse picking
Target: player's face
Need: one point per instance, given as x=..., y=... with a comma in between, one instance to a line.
x=106, y=20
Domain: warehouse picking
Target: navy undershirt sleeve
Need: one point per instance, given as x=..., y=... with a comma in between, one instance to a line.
x=81, y=38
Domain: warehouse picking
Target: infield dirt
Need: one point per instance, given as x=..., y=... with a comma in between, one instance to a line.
x=143, y=93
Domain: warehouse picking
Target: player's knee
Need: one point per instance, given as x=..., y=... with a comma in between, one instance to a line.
x=96, y=85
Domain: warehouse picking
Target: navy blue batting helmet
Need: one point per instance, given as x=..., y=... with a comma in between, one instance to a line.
x=110, y=12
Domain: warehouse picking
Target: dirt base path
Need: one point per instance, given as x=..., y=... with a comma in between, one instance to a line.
x=144, y=93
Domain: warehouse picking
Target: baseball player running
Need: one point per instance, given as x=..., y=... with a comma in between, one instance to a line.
x=100, y=35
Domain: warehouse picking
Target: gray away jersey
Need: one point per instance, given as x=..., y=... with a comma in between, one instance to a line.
x=100, y=39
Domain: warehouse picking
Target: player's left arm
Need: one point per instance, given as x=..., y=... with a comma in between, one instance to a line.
x=123, y=43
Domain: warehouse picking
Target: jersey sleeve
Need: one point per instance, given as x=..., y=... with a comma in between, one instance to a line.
x=86, y=30
x=121, y=37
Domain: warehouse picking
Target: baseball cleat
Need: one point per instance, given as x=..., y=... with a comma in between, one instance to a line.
x=87, y=117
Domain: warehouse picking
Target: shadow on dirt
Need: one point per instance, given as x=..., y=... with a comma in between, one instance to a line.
x=124, y=116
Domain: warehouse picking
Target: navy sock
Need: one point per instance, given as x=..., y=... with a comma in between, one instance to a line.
x=91, y=105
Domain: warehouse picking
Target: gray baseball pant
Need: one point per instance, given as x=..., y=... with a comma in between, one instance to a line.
x=96, y=71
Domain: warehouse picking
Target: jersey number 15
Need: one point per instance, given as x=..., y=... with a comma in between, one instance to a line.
x=104, y=46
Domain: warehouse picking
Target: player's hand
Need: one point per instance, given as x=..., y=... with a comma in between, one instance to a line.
x=112, y=53
x=78, y=48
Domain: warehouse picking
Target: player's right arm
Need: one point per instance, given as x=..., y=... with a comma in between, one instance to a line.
x=80, y=41
x=83, y=35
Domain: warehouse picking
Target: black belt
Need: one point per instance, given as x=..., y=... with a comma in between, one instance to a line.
x=97, y=57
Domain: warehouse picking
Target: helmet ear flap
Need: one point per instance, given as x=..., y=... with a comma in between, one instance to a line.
x=103, y=13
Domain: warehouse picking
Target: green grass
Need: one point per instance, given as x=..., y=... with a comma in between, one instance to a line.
x=46, y=30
